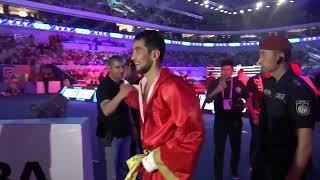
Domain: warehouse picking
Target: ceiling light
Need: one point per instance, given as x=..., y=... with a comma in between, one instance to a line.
x=206, y=2
x=249, y=10
x=189, y=0
x=212, y=8
x=201, y=4
x=292, y=1
x=229, y=13
x=241, y=11
x=206, y=6
x=259, y=4
x=22, y=14
x=216, y=9
x=281, y=2
x=235, y=13
x=225, y=12
x=220, y=7
x=196, y=2
x=267, y=6
x=221, y=10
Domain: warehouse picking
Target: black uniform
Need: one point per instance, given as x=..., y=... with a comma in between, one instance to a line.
x=288, y=105
x=117, y=124
x=227, y=122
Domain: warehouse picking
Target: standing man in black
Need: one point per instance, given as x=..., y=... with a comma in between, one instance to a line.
x=227, y=93
x=287, y=119
x=114, y=121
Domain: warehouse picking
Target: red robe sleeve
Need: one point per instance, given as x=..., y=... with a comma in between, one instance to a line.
x=133, y=99
x=177, y=158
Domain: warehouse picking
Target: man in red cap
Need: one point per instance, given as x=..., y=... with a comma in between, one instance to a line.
x=287, y=117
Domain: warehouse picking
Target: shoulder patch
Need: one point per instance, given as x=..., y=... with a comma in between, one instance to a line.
x=302, y=107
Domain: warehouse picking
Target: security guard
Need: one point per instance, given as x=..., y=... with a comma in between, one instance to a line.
x=287, y=119
x=227, y=93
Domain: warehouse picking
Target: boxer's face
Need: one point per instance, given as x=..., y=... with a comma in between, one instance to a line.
x=141, y=57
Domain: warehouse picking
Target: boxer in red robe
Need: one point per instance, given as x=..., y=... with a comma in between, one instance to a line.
x=172, y=130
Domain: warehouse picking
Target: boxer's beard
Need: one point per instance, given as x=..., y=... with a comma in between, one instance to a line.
x=144, y=69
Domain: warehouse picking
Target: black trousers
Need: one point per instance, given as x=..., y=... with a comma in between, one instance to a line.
x=253, y=142
x=227, y=125
x=270, y=167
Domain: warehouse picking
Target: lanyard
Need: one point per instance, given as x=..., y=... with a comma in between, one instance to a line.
x=231, y=89
x=260, y=86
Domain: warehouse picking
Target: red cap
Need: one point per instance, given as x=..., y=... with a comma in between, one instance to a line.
x=275, y=42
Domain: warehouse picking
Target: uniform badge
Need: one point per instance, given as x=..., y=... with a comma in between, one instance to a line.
x=280, y=96
x=302, y=107
x=267, y=92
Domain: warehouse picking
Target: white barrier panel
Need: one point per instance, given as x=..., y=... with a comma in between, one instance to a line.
x=59, y=149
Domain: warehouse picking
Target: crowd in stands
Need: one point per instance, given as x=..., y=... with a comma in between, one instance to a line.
x=15, y=50
x=25, y=50
x=87, y=76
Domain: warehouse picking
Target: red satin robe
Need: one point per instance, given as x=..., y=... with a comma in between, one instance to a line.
x=171, y=122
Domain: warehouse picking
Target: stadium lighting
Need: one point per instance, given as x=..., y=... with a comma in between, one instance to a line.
x=167, y=41
x=259, y=5
x=241, y=11
x=84, y=31
x=220, y=7
x=206, y=2
x=41, y=26
x=22, y=14
x=281, y=2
